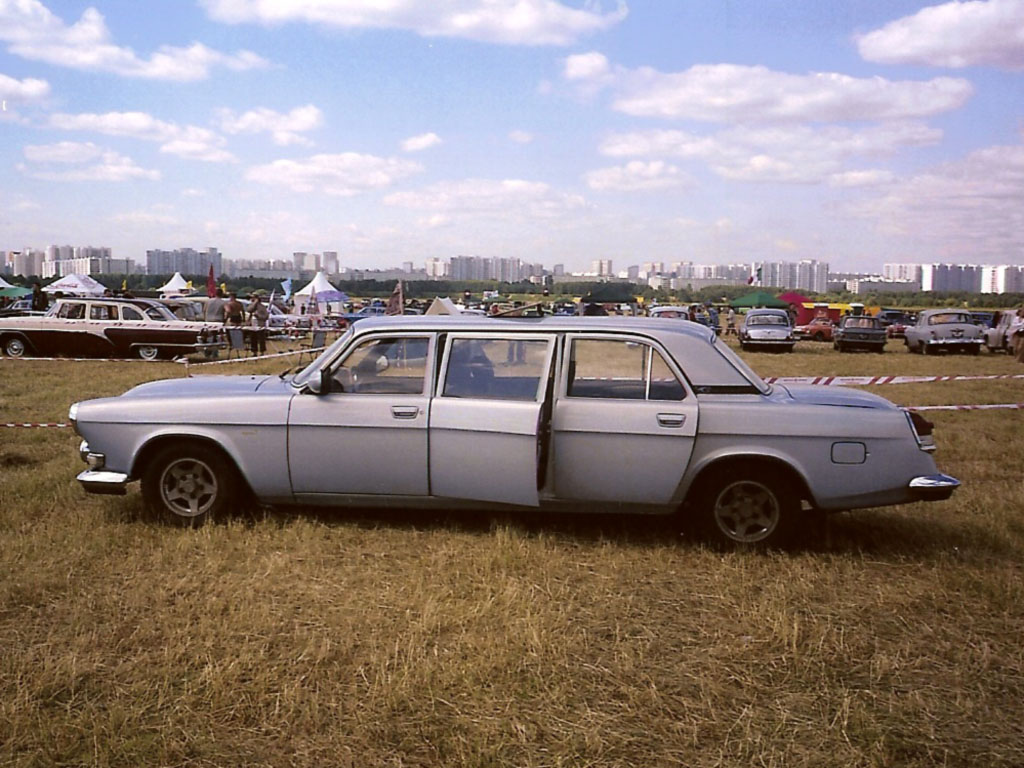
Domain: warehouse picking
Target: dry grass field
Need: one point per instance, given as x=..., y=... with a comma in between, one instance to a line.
x=357, y=638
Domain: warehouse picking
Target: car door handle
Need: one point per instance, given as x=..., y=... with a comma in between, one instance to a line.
x=405, y=411
x=674, y=420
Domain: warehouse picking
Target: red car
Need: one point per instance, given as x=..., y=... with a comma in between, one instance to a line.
x=819, y=329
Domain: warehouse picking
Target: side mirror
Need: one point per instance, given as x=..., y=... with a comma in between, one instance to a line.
x=320, y=384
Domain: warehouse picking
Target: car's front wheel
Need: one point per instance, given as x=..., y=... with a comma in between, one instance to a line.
x=189, y=484
x=14, y=347
x=748, y=508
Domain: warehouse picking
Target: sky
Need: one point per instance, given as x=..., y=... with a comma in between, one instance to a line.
x=854, y=132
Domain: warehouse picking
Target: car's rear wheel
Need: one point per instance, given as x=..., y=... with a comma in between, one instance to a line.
x=747, y=508
x=14, y=347
x=147, y=352
x=189, y=484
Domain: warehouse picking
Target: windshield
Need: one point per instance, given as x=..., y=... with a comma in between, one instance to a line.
x=737, y=362
x=311, y=370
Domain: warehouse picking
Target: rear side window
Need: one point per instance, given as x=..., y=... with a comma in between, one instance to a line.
x=496, y=369
x=620, y=370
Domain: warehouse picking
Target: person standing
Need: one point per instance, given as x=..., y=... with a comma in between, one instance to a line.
x=234, y=312
x=215, y=308
x=39, y=299
x=259, y=316
x=730, y=321
x=1015, y=335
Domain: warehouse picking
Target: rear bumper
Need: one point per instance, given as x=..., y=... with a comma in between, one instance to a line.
x=933, y=487
x=103, y=481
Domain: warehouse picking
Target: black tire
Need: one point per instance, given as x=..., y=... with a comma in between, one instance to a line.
x=974, y=349
x=147, y=352
x=189, y=483
x=748, y=508
x=819, y=336
x=15, y=346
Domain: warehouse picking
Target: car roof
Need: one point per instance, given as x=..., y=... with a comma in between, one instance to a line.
x=546, y=324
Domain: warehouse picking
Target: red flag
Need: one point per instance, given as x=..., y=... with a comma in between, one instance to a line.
x=396, y=304
x=211, y=284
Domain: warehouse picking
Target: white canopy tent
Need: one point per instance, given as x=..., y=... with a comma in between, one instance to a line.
x=76, y=285
x=4, y=284
x=176, y=286
x=306, y=296
x=442, y=305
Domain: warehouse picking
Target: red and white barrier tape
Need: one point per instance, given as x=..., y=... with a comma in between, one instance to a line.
x=251, y=359
x=36, y=424
x=846, y=381
x=964, y=407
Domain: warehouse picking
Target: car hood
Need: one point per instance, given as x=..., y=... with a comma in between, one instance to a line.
x=208, y=386
x=818, y=395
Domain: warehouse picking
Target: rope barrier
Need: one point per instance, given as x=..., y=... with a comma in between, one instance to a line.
x=845, y=381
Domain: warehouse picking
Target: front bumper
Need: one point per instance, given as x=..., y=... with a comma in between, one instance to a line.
x=103, y=481
x=933, y=487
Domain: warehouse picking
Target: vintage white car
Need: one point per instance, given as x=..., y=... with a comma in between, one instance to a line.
x=556, y=413
x=767, y=329
x=952, y=330
x=107, y=327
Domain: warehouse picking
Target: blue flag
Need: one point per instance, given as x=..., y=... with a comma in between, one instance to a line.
x=287, y=286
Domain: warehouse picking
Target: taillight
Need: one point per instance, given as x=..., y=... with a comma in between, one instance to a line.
x=922, y=429
x=921, y=425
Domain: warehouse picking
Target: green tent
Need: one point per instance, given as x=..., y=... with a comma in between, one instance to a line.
x=14, y=292
x=758, y=299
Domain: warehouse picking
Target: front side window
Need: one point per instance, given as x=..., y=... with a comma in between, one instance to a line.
x=620, y=370
x=388, y=366
x=131, y=313
x=496, y=369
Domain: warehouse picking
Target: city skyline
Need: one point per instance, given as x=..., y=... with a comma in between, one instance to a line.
x=572, y=133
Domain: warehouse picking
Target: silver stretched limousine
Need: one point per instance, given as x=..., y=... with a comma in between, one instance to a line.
x=592, y=414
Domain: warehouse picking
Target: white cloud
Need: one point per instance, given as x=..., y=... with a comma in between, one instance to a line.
x=508, y=197
x=188, y=141
x=745, y=94
x=62, y=152
x=29, y=89
x=969, y=208
x=796, y=154
x=343, y=174
x=421, y=142
x=635, y=176
x=158, y=215
x=520, y=137
x=511, y=22
x=69, y=161
x=284, y=128
x=586, y=66
x=958, y=34
x=868, y=178
x=33, y=32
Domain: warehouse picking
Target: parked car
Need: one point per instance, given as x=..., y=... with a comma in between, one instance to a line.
x=19, y=308
x=984, y=319
x=859, y=332
x=103, y=327
x=767, y=329
x=953, y=330
x=819, y=329
x=553, y=413
x=997, y=338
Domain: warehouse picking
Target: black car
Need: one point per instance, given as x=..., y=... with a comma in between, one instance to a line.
x=859, y=332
